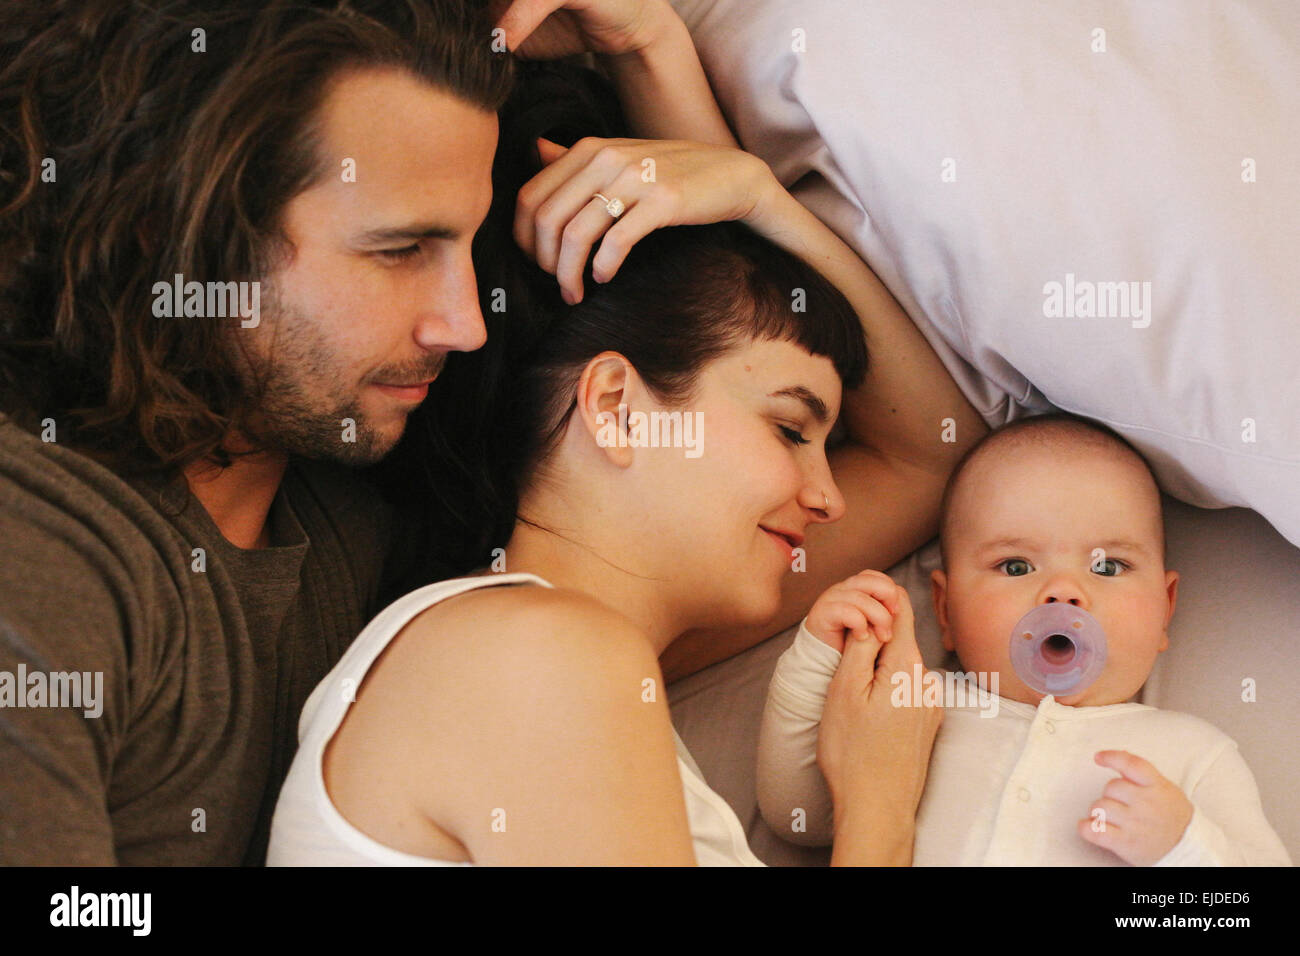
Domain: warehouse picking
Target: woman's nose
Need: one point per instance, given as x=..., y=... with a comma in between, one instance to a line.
x=824, y=500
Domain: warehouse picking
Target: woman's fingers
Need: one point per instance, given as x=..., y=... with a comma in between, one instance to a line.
x=592, y=221
x=857, y=670
x=576, y=240
x=549, y=151
x=642, y=218
x=658, y=182
x=570, y=199
x=522, y=17
x=534, y=194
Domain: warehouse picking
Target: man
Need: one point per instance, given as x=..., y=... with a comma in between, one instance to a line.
x=236, y=250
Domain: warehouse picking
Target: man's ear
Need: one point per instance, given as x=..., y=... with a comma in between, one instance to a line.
x=1171, y=588
x=602, y=389
x=939, y=591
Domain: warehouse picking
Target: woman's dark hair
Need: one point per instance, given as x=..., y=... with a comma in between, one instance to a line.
x=683, y=297
x=148, y=138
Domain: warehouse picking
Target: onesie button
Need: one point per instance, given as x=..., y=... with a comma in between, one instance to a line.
x=1051, y=727
x=1024, y=795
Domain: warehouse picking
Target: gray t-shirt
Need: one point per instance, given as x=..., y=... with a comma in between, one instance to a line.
x=205, y=656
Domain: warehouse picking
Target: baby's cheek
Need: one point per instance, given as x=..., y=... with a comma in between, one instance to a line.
x=983, y=648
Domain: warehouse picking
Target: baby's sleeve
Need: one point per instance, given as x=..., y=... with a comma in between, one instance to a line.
x=1228, y=827
x=792, y=794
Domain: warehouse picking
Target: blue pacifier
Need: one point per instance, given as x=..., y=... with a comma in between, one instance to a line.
x=1058, y=649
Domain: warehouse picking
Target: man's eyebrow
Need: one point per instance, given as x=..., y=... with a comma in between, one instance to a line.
x=417, y=230
x=806, y=395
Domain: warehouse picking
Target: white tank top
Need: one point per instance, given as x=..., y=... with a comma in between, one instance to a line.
x=308, y=830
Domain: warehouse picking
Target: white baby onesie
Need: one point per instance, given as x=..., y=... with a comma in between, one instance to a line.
x=1009, y=787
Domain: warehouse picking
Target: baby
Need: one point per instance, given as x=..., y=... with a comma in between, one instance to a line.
x=1046, y=510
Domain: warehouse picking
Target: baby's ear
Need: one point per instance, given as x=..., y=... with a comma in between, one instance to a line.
x=1171, y=588
x=939, y=591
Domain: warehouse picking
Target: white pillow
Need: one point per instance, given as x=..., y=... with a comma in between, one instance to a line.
x=1102, y=143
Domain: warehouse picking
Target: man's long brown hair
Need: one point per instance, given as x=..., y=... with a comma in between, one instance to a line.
x=168, y=159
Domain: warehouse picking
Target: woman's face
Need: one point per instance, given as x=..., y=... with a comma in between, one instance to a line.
x=723, y=520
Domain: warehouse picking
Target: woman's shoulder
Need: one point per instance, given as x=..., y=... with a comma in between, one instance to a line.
x=523, y=615
x=495, y=639
x=503, y=697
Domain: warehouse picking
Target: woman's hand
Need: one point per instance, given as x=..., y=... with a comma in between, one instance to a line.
x=549, y=29
x=659, y=182
x=873, y=754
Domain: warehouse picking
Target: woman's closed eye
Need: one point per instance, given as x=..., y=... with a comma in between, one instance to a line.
x=793, y=436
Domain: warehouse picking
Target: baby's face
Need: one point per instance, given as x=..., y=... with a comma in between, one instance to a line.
x=1025, y=524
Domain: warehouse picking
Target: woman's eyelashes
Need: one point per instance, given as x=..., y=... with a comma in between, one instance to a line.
x=793, y=436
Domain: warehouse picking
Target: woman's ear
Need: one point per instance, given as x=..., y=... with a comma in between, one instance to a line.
x=602, y=404
x=939, y=591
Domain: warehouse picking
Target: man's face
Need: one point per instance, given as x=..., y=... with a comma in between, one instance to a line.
x=379, y=286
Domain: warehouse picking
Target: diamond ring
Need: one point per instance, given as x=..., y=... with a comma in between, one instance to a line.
x=614, y=207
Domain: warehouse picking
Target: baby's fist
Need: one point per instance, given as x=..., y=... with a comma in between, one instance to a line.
x=862, y=606
x=1140, y=815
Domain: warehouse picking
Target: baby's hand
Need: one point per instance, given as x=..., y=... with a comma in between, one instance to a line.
x=865, y=603
x=1143, y=814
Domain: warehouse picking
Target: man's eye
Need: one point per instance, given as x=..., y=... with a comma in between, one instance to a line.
x=1109, y=568
x=793, y=436
x=1015, y=567
x=398, y=255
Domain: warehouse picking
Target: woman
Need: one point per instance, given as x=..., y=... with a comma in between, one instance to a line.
x=520, y=717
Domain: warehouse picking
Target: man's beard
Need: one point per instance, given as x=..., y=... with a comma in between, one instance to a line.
x=302, y=401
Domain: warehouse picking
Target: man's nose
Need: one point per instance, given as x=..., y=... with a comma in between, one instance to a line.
x=450, y=318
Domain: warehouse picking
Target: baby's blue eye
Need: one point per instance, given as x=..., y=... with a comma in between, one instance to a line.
x=1108, y=568
x=1015, y=567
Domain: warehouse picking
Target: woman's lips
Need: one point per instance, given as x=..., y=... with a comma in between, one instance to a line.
x=787, y=549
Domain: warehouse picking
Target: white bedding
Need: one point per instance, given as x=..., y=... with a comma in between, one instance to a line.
x=994, y=165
